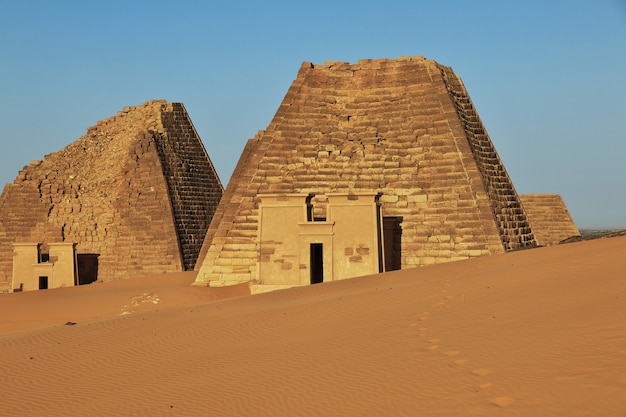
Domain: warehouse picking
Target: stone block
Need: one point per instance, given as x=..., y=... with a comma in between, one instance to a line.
x=388, y=198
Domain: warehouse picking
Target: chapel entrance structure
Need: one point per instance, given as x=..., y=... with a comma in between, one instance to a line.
x=36, y=268
x=381, y=165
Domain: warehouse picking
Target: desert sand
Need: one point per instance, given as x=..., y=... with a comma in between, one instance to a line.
x=540, y=332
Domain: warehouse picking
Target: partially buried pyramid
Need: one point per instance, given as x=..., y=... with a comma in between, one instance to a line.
x=135, y=195
x=366, y=167
x=549, y=218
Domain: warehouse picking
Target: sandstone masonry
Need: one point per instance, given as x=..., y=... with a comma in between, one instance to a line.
x=137, y=192
x=549, y=217
x=401, y=136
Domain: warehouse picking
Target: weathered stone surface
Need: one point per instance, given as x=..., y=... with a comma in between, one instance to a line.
x=138, y=189
x=405, y=129
x=549, y=218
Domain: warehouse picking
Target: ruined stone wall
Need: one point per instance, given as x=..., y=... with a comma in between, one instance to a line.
x=117, y=192
x=388, y=126
x=549, y=218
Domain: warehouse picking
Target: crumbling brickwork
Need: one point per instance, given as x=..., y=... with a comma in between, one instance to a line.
x=138, y=189
x=549, y=217
x=403, y=128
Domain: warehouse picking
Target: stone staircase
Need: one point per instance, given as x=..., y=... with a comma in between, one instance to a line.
x=190, y=177
x=510, y=217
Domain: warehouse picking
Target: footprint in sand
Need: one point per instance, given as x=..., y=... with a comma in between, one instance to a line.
x=452, y=353
x=502, y=401
x=459, y=362
x=481, y=372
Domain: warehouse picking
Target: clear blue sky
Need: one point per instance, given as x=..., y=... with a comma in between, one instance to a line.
x=547, y=77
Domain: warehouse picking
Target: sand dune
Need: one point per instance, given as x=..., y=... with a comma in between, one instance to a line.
x=540, y=332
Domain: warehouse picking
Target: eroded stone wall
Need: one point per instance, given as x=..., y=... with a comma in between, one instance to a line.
x=138, y=189
x=383, y=126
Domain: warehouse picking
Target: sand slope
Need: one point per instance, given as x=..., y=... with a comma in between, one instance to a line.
x=37, y=309
x=535, y=333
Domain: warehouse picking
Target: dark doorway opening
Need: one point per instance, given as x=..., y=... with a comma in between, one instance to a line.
x=43, y=283
x=392, y=235
x=87, y=268
x=317, y=263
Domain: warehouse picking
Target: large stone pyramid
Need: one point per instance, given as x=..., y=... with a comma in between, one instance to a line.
x=365, y=167
x=136, y=194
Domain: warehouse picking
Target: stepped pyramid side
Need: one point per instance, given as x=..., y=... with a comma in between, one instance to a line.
x=550, y=218
x=509, y=215
x=194, y=187
x=138, y=190
x=395, y=132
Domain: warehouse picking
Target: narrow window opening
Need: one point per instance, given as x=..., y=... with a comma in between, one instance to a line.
x=42, y=254
x=309, y=208
x=313, y=213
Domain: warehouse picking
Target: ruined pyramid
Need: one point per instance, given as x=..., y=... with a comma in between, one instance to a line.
x=366, y=167
x=134, y=195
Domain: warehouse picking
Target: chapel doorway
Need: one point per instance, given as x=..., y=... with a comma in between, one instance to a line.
x=392, y=235
x=43, y=283
x=317, y=263
x=87, y=268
